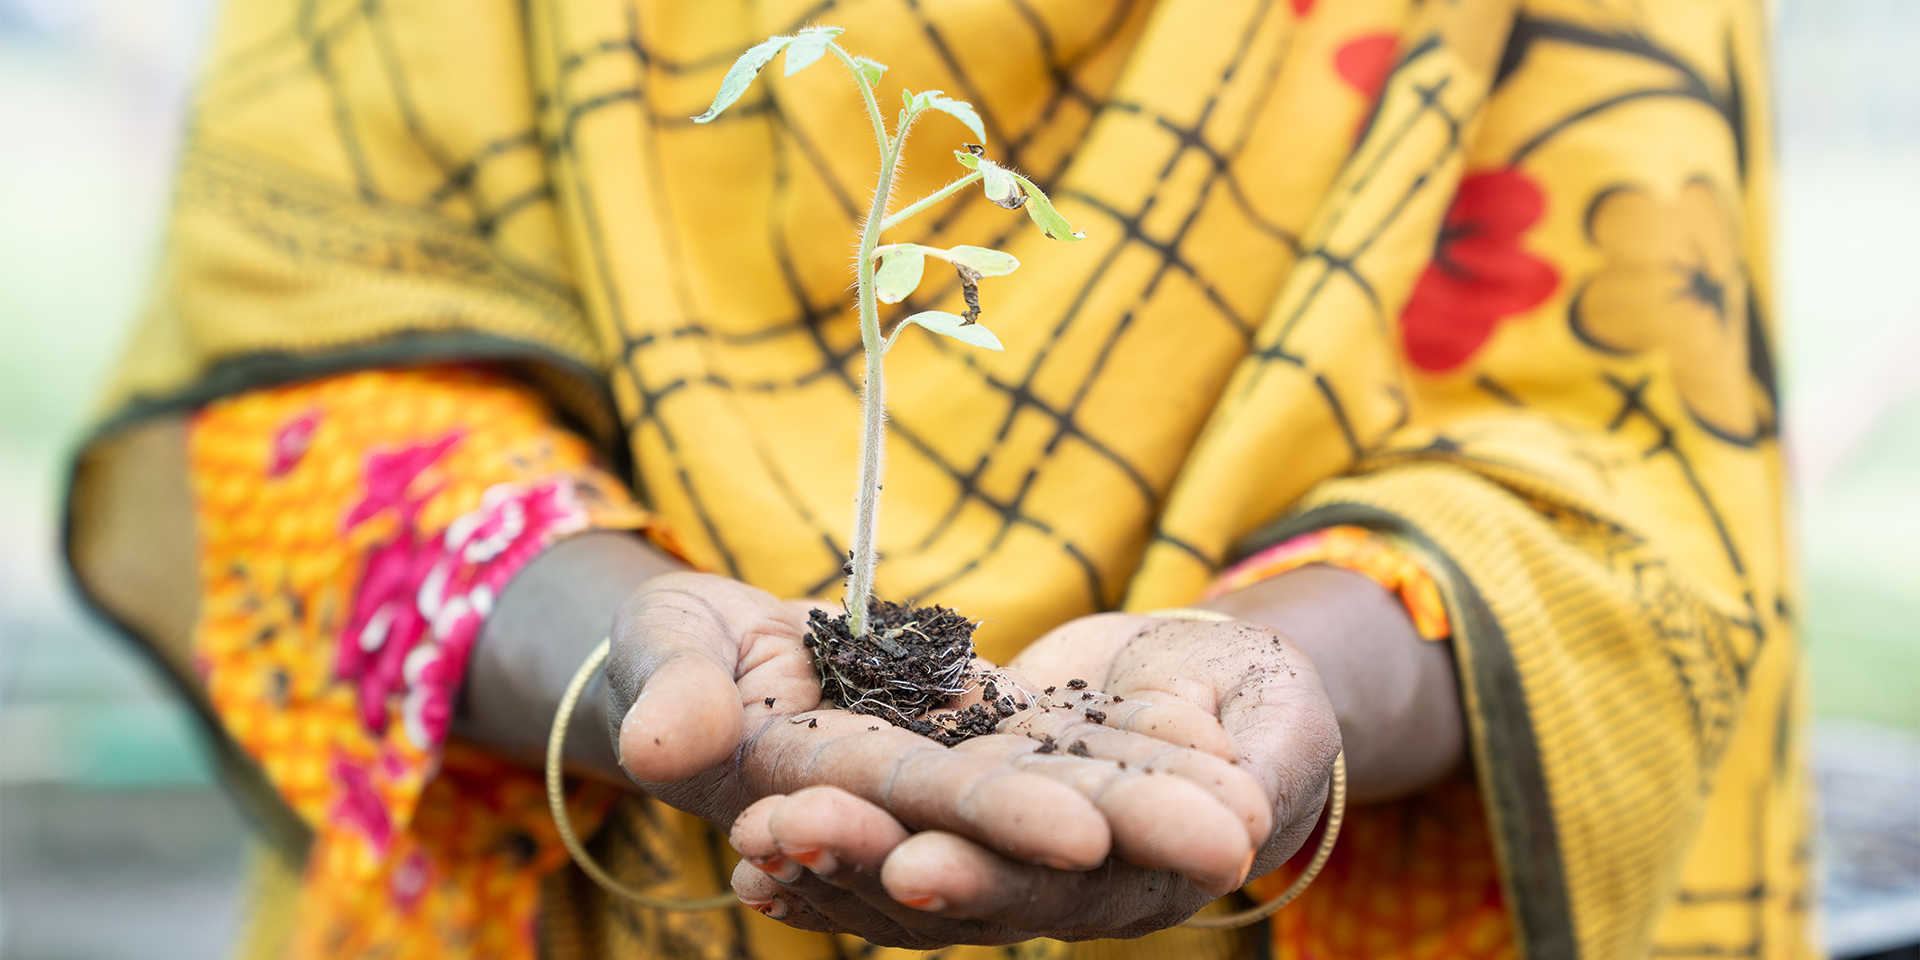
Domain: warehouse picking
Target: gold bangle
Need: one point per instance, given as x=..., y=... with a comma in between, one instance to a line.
x=557, y=802
x=1335, y=811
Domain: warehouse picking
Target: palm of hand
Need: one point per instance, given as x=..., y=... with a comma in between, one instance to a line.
x=1172, y=772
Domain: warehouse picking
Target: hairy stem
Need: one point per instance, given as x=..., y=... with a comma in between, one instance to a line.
x=873, y=437
x=919, y=206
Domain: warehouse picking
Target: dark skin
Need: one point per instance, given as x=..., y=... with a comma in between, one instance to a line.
x=1227, y=732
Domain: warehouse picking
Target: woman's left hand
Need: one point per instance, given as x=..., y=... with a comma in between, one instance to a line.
x=1159, y=704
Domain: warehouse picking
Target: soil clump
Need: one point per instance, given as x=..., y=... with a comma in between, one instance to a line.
x=910, y=662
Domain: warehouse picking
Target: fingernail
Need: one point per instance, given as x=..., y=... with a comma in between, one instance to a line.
x=818, y=859
x=777, y=910
x=761, y=905
x=1246, y=868
x=925, y=901
x=631, y=717
x=780, y=868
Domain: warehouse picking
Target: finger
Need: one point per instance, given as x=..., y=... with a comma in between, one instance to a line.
x=762, y=893
x=952, y=877
x=1269, y=700
x=1177, y=722
x=1174, y=721
x=695, y=651
x=752, y=837
x=686, y=719
x=837, y=836
x=880, y=921
x=925, y=786
x=1079, y=658
x=1160, y=822
x=801, y=899
x=1080, y=728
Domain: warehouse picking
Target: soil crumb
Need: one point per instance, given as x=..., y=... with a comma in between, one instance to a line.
x=910, y=662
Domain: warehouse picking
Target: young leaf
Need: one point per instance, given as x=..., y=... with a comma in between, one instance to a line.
x=948, y=325
x=809, y=46
x=967, y=159
x=982, y=260
x=959, y=110
x=1041, y=210
x=1002, y=186
x=870, y=69
x=899, y=273
x=741, y=74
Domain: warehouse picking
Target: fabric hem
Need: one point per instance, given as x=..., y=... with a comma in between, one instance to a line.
x=1507, y=753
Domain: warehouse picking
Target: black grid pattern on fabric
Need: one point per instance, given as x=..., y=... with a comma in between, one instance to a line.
x=834, y=361
x=306, y=48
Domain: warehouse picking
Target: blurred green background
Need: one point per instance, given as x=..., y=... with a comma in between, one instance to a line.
x=107, y=809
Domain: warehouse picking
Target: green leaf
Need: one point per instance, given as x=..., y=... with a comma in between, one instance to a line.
x=1002, y=186
x=900, y=270
x=959, y=110
x=969, y=160
x=870, y=69
x=984, y=261
x=949, y=325
x=809, y=47
x=741, y=74
x=1041, y=210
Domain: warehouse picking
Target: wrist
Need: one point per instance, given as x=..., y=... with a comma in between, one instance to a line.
x=1394, y=694
x=547, y=619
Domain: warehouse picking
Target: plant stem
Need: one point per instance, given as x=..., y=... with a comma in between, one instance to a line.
x=918, y=206
x=873, y=438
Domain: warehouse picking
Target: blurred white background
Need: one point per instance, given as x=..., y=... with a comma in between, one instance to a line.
x=114, y=842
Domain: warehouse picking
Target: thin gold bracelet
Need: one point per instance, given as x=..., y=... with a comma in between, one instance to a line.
x=557, y=802
x=1336, y=810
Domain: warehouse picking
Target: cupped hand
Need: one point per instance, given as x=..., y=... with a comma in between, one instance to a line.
x=708, y=677
x=1207, y=748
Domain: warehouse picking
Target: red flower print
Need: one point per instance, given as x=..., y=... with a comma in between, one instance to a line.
x=290, y=443
x=360, y=804
x=385, y=624
x=422, y=599
x=1479, y=273
x=1365, y=62
x=390, y=475
x=480, y=551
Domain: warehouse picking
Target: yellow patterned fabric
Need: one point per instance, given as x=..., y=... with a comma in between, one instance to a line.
x=353, y=534
x=1490, y=276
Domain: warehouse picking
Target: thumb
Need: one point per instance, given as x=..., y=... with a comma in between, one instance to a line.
x=671, y=676
x=686, y=719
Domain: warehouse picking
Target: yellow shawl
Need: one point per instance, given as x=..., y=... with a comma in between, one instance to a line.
x=1558, y=385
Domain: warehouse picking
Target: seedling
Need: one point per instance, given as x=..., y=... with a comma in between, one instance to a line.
x=878, y=658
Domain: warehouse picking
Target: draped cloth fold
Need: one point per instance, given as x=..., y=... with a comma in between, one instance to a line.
x=1490, y=276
